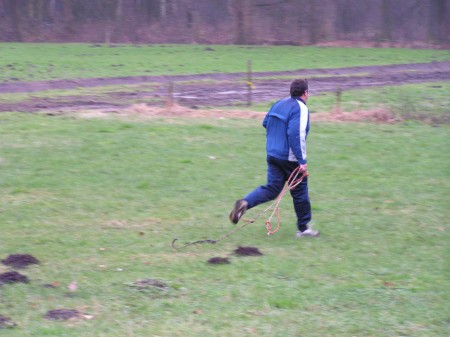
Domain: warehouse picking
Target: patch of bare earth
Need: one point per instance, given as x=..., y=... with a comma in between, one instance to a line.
x=6, y=322
x=145, y=283
x=247, y=251
x=12, y=277
x=371, y=116
x=20, y=260
x=219, y=260
x=214, y=95
x=144, y=111
x=66, y=315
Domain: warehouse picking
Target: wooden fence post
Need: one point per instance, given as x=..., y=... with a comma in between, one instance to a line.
x=249, y=82
x=338, y=100
x=169, y=98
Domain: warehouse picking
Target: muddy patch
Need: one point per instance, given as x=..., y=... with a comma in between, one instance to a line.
x=153, y=288
x=380, y=115
x=247, y=251
x=19, y=261
x=150, y=283
x=219, y=260
x=6, y=322
x=194, y=93
x=63, y=314
x=144, y=111
x=150, y=286
x=438, y=71
x=12, y=277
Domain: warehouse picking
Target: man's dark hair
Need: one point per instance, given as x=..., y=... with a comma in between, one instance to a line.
x=298, y=87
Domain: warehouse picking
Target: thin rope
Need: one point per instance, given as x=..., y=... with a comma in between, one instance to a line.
x=293, y=181
x=246, y=222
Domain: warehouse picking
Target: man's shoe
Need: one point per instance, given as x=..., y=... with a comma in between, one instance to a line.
x=239, y=209
x=309, y=232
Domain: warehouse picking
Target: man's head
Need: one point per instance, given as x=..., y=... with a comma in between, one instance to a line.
x=299, y=88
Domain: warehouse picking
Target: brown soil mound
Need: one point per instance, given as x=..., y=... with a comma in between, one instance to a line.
x=247, y=251
x=20, y=260
x=218, y=260
x=6, y=322
x=12, y=277
x=62, y=314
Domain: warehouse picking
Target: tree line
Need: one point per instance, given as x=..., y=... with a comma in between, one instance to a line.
x=295, y=22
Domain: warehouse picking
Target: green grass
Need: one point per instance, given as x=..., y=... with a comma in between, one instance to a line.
x=43, y=61
x=408, y=100
x=100, y=201
x=63, y=93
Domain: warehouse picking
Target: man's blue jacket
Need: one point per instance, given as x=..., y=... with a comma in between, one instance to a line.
x=287, y=126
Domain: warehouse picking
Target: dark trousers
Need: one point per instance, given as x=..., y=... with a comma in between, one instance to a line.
x=278, y=173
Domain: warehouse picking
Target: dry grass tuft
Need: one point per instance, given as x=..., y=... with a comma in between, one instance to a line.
x=379, y=115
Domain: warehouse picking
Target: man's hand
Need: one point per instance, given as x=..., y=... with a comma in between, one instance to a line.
x=302, y=167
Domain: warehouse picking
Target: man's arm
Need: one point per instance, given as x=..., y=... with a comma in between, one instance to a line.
x=297, y=133
x=265, y=121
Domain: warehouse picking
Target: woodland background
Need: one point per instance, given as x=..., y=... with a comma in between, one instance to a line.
x=408, y=23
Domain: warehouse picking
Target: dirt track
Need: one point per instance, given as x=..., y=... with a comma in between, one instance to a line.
x=216, y=90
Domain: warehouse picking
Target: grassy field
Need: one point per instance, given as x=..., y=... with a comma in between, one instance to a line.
x=34, y=62
x=100, y=201
x=406, y=101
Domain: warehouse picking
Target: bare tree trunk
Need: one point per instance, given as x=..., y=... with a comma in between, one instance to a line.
x=191, y=21
x=119, y=9
x=242, y=20
x=386, y=27
x=11, y=8
x=312, y=22
x=52, y=9
x=163, y=8
x=438, y=23
x=68, y=16
x=40, y=7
